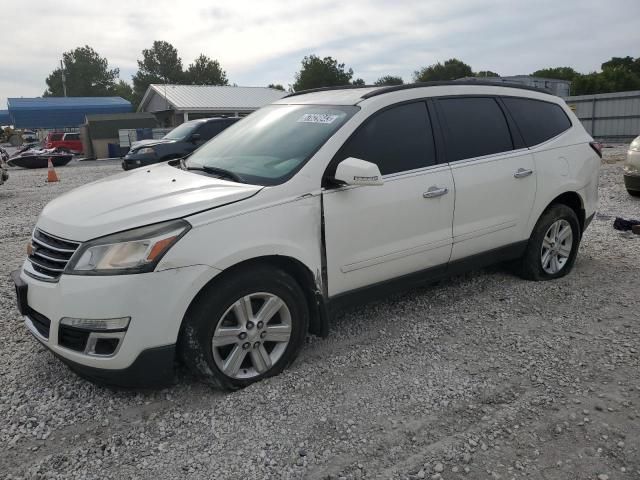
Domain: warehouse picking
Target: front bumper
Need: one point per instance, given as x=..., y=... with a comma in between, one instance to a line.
x=137, y=161
x=156, y=303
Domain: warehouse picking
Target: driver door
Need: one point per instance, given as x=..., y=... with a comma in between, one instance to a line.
x=377, y=233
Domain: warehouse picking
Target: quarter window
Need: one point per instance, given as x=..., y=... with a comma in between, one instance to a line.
x=397, y=139
x=473, y=127
x=537, y=120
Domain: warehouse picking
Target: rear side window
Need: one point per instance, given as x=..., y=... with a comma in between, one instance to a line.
x=473, y=127
x=538, y=121
x=397, y=139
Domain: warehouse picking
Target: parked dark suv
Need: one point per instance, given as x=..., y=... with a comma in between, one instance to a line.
x=179, y=142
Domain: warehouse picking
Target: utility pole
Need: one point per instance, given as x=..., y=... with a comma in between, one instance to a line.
x=64, y=79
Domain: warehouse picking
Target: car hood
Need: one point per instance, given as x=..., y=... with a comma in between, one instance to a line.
x=133, y=199
x=150, y=143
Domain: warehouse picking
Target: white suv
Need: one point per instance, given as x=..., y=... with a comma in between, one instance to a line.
x=228, y=259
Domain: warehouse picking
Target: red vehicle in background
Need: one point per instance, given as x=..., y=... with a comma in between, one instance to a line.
x=64, y=141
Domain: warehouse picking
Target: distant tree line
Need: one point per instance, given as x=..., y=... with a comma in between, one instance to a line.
x=89, y=74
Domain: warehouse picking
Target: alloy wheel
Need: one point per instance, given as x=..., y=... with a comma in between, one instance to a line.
x=252, y=335
x=556, y=246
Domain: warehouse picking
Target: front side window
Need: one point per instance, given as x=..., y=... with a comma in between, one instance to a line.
x=270, y=145
x=537, y=120
x=473, y=127
x=397, y=139
x=72, y=136
x=211, y=129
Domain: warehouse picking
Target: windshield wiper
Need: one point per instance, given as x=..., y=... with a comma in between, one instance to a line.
x=220, y=172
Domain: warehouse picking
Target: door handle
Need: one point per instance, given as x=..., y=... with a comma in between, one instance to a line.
x=434, y=192
x=522, y=172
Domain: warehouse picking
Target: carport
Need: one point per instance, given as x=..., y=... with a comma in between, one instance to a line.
x=61, y=112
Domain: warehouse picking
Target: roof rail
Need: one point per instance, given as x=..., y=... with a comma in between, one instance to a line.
x=393, y=88
x=407, y=86
x=326, y=89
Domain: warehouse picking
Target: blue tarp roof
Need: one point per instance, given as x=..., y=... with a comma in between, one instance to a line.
x=4, y=117
x=57, y=112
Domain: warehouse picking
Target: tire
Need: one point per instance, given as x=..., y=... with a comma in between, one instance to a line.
x=634, y=193
x=532, y=267
x=217, y=314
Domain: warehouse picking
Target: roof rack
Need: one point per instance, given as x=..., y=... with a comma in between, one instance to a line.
x=326, y=89
x=393, y=88
x=407, y=86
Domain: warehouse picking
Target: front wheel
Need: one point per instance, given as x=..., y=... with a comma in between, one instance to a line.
x=244, y=328
x=553, y=245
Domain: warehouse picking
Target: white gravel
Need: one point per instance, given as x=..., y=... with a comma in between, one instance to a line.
x=481, y=376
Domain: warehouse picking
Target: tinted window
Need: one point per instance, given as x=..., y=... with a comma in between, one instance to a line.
x=211, y=129
x=72, y=136
x=397, y=139
x=473, y=127
x=537, y=120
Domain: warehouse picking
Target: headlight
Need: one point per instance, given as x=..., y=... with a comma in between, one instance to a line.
x=134, y=251
x=146, y=150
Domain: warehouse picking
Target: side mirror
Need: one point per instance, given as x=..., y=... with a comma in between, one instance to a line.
x=196, y=137
x=353, y=171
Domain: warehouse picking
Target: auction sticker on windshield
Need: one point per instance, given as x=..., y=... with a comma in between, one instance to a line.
x=318, y=118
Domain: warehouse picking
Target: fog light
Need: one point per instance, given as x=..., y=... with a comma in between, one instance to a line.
x=97, y=324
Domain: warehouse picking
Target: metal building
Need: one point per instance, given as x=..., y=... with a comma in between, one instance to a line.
x=5, y=120
x=61, y=112
x=609, y=116
x=175, y=104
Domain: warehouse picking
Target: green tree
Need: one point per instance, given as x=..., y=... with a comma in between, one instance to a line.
x=87, y=75
x=628, y=64
x=319, y=72
x=358, y=82
x=486, y=73
x=159, y=64
x=558, y=73
x=205, y=71
x=276, y=86
x=452, y=69
x=124, y=90
x=389, y=80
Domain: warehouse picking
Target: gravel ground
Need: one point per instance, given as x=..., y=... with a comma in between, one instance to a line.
x=480, y=376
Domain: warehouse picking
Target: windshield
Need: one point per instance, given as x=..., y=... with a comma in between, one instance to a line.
x=182, y=131
x=270, y=145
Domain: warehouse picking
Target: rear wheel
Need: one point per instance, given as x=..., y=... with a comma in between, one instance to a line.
x=553, y=245
x=245, y=328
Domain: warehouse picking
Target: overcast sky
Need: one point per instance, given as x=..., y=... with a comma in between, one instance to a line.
x=261, y=42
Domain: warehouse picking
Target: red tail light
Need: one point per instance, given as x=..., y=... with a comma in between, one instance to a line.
x=597, y=147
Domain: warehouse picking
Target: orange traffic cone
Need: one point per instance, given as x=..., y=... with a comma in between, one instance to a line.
x=52, y=176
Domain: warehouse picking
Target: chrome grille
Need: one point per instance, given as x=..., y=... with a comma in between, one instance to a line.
x=49, y=255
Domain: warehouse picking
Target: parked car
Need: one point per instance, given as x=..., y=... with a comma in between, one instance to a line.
x=29, y=136
x=631, y=173
x=69, y=142
x=230, y=258
x=179, y=142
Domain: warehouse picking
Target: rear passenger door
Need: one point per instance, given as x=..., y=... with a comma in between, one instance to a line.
x=493, y=172
x=377, y=233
